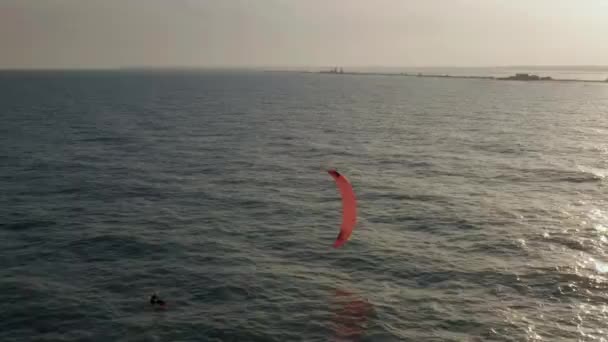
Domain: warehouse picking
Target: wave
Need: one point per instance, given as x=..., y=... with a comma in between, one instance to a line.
x=596, y=173
x=547, y=175
x=28, y=224
x=111, y=247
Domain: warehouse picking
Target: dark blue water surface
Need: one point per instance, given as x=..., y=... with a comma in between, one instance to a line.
x=482, y=208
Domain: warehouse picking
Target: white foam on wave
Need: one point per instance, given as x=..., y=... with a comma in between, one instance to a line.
x=600, y=228
x=599, y=218
x=600, y=266
x=597, y=172
x=532, y=335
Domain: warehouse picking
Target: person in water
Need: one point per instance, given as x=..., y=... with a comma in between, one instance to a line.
x=155, y=300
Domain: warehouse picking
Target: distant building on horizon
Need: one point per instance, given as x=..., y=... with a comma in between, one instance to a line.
x=526, y=77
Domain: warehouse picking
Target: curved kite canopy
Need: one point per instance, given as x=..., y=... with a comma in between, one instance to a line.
x=349, y=207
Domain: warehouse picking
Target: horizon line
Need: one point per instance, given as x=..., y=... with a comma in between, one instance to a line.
x=283, y=67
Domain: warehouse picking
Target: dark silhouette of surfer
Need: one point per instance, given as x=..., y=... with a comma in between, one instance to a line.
x=156, y=301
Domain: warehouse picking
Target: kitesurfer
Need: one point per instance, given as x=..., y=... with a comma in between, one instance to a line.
x=155, y=300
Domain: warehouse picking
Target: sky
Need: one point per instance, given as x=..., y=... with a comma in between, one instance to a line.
x=301, y=33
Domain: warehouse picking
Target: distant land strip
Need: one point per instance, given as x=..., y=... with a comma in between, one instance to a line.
x=516, y=77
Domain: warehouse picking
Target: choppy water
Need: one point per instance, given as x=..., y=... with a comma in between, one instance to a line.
x=483, y=208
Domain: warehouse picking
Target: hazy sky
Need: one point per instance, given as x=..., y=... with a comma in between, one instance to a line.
x=113, y=33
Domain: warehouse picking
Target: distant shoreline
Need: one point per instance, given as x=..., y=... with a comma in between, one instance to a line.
x=526, y=78
x=517, y=77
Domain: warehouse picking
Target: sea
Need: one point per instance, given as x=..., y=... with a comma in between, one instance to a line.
x=482, y=207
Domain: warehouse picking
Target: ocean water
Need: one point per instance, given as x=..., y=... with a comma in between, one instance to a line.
x=483, y=209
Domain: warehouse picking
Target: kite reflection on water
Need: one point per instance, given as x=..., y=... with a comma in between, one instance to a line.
x=350, y=315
